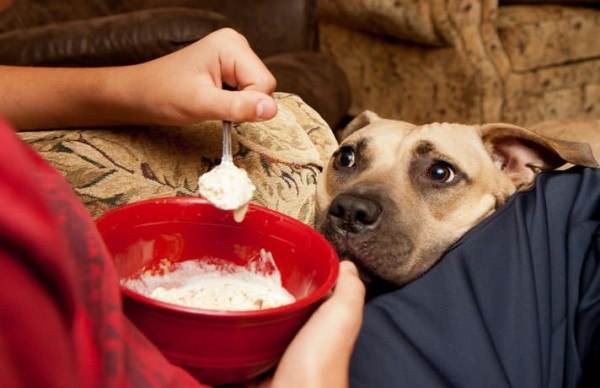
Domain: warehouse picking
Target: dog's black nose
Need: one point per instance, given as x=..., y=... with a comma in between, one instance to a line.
x=353, y=213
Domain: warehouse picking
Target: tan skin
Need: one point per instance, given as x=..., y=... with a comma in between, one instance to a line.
x=179, y=89
x=319, y=355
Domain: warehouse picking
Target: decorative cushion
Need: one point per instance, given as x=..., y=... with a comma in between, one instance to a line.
x=111, y=167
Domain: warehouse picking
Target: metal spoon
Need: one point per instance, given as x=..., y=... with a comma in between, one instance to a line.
x=227, y=157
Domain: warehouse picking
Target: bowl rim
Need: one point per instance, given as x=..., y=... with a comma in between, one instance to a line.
x=297, y=306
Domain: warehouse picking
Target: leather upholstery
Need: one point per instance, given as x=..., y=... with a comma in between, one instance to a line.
x=111, y=40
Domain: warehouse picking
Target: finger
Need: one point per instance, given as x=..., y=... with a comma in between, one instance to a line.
x=241, y=66
x=237, y=106
x=348, y=273
x=322, y=348
x=349, y=289
x=348, y=268
x=342, y=312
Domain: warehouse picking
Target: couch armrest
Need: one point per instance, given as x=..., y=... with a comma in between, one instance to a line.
x=409, y=20
x=468, y=26
x=317, y=79
x=113, y=40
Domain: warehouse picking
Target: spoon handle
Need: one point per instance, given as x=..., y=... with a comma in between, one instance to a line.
x=227, y=157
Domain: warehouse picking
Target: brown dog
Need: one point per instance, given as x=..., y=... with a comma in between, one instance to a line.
x=395, y=196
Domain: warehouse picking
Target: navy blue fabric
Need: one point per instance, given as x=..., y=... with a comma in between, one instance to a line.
x=515, y=303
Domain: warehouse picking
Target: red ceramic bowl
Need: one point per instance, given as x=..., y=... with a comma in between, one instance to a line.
x=218, y=347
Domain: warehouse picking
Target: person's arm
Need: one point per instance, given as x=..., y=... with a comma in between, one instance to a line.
x=319, y=355
x=178, y=89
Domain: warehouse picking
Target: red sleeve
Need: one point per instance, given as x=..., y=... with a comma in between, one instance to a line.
x=61, y=322
x=35, y=346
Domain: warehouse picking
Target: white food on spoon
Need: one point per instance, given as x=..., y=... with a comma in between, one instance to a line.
x=226, y=186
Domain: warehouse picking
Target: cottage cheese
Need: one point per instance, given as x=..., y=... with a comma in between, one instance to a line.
x=216, y=285
x=227, y=187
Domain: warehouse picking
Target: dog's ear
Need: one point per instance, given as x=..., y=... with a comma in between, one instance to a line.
x=522, y=153
x=362, y=120
x=577, y=141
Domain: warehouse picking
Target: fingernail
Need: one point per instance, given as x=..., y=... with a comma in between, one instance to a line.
x=263, y=108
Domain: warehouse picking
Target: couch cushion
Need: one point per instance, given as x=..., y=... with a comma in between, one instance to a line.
x=401, y=80
x=540, y=36
x=409, y=20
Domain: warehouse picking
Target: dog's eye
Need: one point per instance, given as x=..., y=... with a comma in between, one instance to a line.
x=441, y=172
x=346, y=157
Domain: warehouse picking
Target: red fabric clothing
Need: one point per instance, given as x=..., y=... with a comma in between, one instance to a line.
x=61, y=323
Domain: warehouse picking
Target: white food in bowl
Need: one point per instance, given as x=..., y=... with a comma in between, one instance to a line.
x=214, y=285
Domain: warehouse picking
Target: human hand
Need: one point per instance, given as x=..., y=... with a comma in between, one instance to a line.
x=319, y=355
x=181, y=88
x=187, y=86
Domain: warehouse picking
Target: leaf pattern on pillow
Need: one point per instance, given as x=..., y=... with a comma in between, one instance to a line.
x=115, y=166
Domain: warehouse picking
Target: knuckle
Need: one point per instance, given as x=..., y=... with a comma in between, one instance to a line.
x=231, y=34
x=265, y=83
x=270, y=82
x=237, y=110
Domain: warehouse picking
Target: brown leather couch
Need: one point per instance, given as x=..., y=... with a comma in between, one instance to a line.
x=120, y=32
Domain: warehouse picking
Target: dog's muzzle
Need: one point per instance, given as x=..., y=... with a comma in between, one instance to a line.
x=349, y=213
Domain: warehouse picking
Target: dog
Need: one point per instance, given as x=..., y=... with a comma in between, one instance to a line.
x=395, y=196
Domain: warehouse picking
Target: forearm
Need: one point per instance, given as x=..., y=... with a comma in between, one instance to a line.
x=36, y=98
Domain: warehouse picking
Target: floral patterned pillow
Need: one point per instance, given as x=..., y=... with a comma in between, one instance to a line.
x=111, y=167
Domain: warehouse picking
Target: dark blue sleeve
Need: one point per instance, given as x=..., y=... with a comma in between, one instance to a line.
x=515, y=303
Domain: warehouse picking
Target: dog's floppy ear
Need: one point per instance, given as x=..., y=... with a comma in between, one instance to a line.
x=362, y=120
x=522, y=153
x=577, y=141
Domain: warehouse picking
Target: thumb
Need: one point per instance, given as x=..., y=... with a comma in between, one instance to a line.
x=348, y=295
x=238, y=106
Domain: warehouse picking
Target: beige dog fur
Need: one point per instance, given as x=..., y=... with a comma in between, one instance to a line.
x=421, y=187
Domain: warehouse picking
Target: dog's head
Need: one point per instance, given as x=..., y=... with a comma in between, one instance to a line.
x=395, y=196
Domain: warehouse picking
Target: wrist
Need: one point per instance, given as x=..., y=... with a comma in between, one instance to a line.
x=121, y=97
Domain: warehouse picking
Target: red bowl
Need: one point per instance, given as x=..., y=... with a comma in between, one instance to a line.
x=218, y=347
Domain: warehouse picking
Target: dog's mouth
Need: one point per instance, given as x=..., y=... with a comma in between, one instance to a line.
x=379, y=256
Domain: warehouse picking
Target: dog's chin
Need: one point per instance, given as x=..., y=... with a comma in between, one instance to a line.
x=366, y=276
x=374, y=284
x=344, y=246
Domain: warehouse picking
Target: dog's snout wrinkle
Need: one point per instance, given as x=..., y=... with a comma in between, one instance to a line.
x=353, y=214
